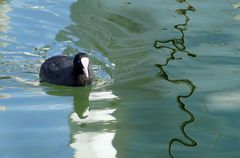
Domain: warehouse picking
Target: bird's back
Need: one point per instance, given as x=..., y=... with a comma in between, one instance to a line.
x=57, y=70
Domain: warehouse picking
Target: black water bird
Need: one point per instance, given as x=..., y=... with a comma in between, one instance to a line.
x=67, y=71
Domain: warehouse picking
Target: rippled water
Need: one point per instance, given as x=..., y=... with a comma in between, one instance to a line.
x=167, y=79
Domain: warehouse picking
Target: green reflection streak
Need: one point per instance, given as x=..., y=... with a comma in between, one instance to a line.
x=178, y=46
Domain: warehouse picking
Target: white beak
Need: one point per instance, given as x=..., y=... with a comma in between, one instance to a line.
x=85, y=63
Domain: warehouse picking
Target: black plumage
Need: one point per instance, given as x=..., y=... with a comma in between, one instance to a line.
x=68, y=71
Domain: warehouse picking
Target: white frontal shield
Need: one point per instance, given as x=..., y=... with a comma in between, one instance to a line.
x=85, y=63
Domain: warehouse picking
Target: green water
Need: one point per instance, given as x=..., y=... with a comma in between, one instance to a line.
x=168, y=75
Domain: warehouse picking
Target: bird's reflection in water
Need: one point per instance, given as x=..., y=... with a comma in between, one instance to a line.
x=92, y=137
x=80, y=97
x=91, y=133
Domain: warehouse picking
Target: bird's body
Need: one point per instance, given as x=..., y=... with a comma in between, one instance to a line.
x=68, y=71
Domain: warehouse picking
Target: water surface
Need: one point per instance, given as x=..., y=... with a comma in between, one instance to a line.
x=167, y=79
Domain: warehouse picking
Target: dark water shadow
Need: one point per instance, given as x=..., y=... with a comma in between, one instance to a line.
x=177, y=45
x=80, y=97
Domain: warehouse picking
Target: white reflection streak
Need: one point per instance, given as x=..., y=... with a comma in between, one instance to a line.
x=94, y=116
x=102, y=96
x=32, y=83
x=95, y=144
x=227, y=101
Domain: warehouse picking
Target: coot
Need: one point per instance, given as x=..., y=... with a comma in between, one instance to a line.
x=68, y=71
